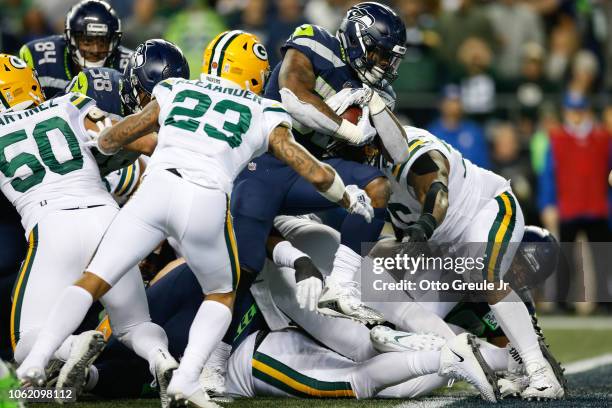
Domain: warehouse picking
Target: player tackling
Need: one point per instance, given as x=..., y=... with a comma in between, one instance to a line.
x=208, y=130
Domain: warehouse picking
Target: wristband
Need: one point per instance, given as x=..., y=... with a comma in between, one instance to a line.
x=285, y=254
x=349, y=132
x=336, y=191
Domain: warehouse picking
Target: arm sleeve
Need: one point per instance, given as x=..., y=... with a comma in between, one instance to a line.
x=161, y=93
x=26, y=55
x=392, y=135
x=547, y=192
x=274, y=115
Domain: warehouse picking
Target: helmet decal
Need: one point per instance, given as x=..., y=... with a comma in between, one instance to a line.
x=260, y=51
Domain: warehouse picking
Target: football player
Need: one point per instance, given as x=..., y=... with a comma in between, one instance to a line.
x=92, y=37
x=316, y=65
x=208, y=129
x=52, y=179
x=438, y=195
x=123, y=94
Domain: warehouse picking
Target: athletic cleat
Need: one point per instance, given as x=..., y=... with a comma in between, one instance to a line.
x=165, y=364
x=512, y=385
x=52, y=371
x=460, y=359
x=85, y=349
x=212, y=381
x=198, y=399
x=342, y=299
x=387, y=340
x=556, y=367
x=543, y=383
x=33, y=377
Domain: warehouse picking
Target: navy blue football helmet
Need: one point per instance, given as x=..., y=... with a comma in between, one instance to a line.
x=536, y=259
x=93, y=33
x=152, y=62
x=374, y=38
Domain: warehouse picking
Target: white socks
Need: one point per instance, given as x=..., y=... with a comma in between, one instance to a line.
x=64, y=318
x=346, y=264
x=219, y=357
x=495, y=357
x=513, y=317
x=388, y=369
x=63, y=352
x=208, y=328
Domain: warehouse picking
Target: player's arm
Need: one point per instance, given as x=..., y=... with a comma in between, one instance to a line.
x=428, y=176
x=297, y=81
x=389, y=129
x=128, y=131
x=322, y=176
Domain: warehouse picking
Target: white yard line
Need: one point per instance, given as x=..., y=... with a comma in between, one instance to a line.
x=437, y=402
x=575, y=322
x=588, y=364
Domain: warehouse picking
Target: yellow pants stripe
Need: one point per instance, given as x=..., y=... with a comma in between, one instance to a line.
x=500, y=236
x=20, y=287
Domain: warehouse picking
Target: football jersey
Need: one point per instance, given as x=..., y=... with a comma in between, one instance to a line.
x=51, y=59
x=103, y=85
x=332, y=72
x=469, y=187
x=211, y=128
x=43, y=163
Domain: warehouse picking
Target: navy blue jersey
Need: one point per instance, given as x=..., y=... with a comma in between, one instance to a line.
x=50, y=58
x=332, y=72
x=103, y=85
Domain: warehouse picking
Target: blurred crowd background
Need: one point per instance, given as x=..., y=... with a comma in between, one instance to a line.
x=519, y=86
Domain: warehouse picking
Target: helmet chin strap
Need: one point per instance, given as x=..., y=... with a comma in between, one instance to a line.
x=88, y=64
x=372, y=77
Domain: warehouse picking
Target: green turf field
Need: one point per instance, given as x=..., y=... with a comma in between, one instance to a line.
x=588, y=387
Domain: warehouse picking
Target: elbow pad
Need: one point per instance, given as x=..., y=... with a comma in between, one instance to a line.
x=307, y=114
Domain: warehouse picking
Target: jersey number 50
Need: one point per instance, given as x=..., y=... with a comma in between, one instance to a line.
x=237, y=130
x=41, y=136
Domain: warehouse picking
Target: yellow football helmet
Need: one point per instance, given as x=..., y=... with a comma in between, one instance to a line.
x=239, y=57
x=19, y=86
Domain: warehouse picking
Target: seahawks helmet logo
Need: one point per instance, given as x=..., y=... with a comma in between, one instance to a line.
x=361, y=17
x=17, y=63
x=138, y=59
x=260, y=51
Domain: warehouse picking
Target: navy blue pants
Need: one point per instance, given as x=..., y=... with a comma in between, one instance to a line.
x=269, y=188
x=173, y=304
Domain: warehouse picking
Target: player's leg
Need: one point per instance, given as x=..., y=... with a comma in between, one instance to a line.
x=208, y=244
x=340, y=297
x=501, y=225
x=133, y=233
x=51, y=264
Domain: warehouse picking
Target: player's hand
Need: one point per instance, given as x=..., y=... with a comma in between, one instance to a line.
x=95, y=135
x=367, y=129
x=415, y=233
x=359, y=203
x=309, y=282
x=102, y=125
x=348, y=97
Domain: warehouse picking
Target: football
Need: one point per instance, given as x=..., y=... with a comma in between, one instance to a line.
x=352, y=114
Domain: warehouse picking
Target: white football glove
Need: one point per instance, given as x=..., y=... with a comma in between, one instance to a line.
x=95, y=134
x=366, y=127
x=308, y=292
x=348, y=97
x=360, y=203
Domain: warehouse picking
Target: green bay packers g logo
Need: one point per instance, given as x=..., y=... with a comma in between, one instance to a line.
x=260, y=51
x=17, y=63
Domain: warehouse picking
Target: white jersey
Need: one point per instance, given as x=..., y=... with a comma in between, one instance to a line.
x=211, y=128
x=44, y=165
x=469, y=187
